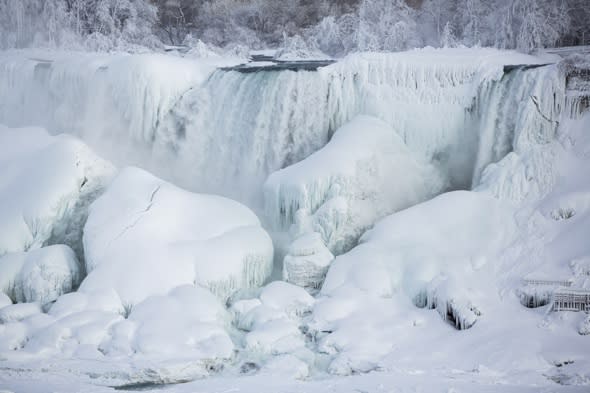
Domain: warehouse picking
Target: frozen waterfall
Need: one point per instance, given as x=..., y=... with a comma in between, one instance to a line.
x=225, y=131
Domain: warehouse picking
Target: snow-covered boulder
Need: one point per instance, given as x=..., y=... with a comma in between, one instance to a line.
x=291, y=299
x=187, y=321
x=105, y=300
x=18, y=312
x=46, y=185
x=145, y=236
x=4, y=300
x=307, y=261
x=287, y=366
x=40, y=275
x=409, y=249
x=364, y=173
x=439, y=255
x=278, y=336
x=584, y=328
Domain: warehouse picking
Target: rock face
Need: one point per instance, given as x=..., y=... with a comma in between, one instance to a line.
x=145, y=237
x=40, y=275
x=307, y=261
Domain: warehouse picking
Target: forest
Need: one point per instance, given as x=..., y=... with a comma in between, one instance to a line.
x=327, y=27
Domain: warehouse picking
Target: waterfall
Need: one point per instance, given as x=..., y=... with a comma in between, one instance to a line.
x=225, y=131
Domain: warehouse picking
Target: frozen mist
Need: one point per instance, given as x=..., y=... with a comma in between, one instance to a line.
x=393, y=221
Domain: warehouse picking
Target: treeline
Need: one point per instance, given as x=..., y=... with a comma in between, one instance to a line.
x=335, y=27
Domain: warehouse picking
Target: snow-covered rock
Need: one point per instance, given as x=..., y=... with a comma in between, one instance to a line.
x=145, y=236
x=105, y=300
x=286, y=366
x=307, y=261
x=291, y=299
x=409, y=249
x=46, y=185
x=584, y=328
x=187, y=321
x=4, y=300
x=364, y=173
x=18, y=312
x=40, y=275
x=278, y=336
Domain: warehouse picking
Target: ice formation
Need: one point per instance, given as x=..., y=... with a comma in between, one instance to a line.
x=272, y=321
x=227, y=131
x=46, y=185
x=393, y=302
x=145, y=236
x=40, y=275
x=365, y=172
x=307, y=261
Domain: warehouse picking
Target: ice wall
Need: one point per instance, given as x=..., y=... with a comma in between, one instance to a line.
x=225, y=131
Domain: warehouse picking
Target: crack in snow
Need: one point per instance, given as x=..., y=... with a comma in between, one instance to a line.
x=134, y=223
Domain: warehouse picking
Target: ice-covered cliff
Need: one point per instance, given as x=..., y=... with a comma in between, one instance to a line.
x=226, y=131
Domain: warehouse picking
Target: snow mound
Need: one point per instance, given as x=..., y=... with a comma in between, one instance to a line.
x=4, y=300
x=307, y=261
x=145, y=236
x=272, y=321
x=40, y=275
x=74, y=302
x=291, y=299
x=364, y=173
x=287, y=366
x=409, y=249
x=18, y=312
x=189, y=321
x=46, y=185
x=435, y=255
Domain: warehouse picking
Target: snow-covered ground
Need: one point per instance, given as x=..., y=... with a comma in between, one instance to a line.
x=394, y=279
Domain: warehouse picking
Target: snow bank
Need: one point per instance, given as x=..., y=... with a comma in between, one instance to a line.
x=46, y=185
x=145, y=236
x=40, y=275
x=365, y=172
